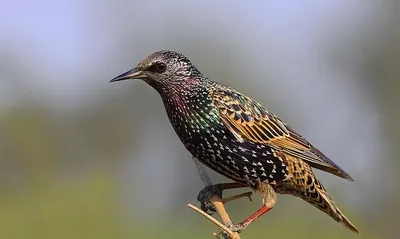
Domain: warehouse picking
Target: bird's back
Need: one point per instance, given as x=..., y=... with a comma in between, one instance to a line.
x=233, y=134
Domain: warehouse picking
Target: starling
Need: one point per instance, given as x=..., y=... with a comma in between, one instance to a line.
x=237, y=137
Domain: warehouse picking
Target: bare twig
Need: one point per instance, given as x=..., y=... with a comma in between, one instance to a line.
x=234, y=197
x=215, y=221
x=216, y=201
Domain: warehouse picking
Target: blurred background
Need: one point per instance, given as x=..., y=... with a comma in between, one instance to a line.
x=82, y=158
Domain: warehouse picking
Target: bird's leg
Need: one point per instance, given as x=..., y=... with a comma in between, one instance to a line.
x=204, y=196
x=219, y=205
x=239, y=227
x=269, y=200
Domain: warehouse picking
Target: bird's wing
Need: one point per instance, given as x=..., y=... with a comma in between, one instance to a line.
x=249, y=120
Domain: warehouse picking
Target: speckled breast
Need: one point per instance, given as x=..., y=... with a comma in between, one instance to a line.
x=206, y=137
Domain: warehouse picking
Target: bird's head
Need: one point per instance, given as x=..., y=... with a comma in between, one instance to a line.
x=161, y=69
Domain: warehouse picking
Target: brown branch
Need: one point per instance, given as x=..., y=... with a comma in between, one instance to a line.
x=217, y=202
x=234, y=197
x=215, y=221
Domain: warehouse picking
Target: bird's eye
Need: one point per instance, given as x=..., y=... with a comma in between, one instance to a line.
x=158, y=67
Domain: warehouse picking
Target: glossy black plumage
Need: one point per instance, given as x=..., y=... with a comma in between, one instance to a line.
x=235, y=135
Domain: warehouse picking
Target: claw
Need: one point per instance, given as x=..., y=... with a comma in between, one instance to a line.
x=225, y=234
x=204, y=197
x=236, y=227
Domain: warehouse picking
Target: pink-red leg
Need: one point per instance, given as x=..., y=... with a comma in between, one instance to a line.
x=241, y=226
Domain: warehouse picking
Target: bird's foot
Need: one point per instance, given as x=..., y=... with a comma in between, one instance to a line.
x=239, y=227
x=205, y=195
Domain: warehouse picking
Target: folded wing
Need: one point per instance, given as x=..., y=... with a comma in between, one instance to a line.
x=249, y=120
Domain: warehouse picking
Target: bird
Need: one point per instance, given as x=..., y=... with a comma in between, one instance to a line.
x=237, y=137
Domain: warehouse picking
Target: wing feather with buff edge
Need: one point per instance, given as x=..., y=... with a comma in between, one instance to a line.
x=249, y=120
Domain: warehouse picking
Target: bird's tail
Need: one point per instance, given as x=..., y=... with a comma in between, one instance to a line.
x=321, y=200
x=303, y=183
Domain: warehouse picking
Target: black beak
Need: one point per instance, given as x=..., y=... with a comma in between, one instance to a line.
x=131, y=74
